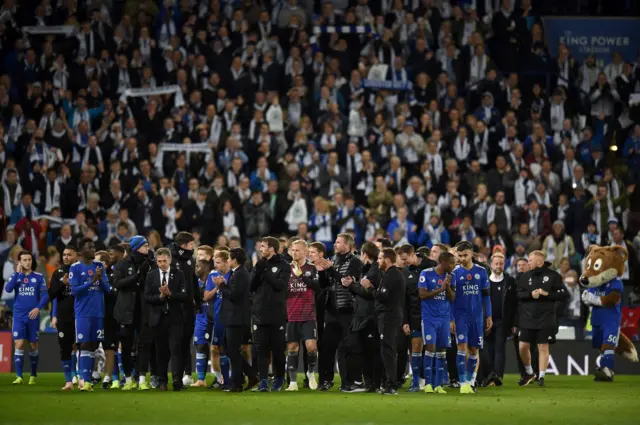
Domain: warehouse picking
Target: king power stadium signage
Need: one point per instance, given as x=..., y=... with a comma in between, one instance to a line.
x=568, y=357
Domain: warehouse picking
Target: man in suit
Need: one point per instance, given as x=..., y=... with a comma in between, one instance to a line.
x=503, y=302
x=165, y=292
x=236, y=318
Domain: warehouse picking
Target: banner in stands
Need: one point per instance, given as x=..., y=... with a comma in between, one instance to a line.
x=600, y=36
x=567, y=357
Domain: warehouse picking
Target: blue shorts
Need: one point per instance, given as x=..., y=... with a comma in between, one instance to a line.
x=25, y=328
x=605, y=334
x=202, y=334
x=469, y=332
x=218, y=335
x=89, y=329
x=436, y=332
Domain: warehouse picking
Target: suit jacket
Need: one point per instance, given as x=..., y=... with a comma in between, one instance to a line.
x=175, y=302
x=236, y=302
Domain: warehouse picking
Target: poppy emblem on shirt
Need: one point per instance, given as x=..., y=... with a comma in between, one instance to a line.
x=90, y=272
x=439, y=281
x=469, y=277
x=26, y=280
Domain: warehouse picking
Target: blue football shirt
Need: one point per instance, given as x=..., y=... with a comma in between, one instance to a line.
x=438, y=307
x=88, y=296
x=612, y=315
x=31, y=292
x=469, y=285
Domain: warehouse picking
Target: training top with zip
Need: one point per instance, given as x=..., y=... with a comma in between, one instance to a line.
x=269, y=282
x=364, y=310
x=128, y=278
x=183, y=259
x=390, y=295
x=60, y=295
x=539, y=313
x=340, y=299
x=412, y=313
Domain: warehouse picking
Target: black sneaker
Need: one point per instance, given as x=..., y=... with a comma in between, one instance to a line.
x=526, y=379
x=454, y=384
x=541, y=382
x=498, y=381
x=305, y=383
x=325, y=386
x=389, y=391
x=371, y=389
x=215, y=385
x=353, y=388
x=106, y=385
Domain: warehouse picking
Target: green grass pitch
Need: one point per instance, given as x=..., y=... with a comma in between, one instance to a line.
x=565, y=400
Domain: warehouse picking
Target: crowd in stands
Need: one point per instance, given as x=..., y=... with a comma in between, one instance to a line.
x=487, y=138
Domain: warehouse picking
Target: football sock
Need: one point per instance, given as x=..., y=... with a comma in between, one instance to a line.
x=34, y=356
x=416, y=363
x=292, y=365
x=440, y=369
x=218, y=376
x=201, y=366
x=120, y=366
x=115, y=373
x=85, y=366
x=18, y=359
x=74, y=364
x=92, y=365
x=471, y=367
x=428, y=368
x=542, y=374
x=461, y=364
x=312, y=359
x=107, y=378
x=134, y=362
x=142, y=379
x=607, y=359
x=66, y=367
x=528, y=369
x=224, y=368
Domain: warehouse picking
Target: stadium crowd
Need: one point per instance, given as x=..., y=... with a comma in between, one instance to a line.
x=234, y=121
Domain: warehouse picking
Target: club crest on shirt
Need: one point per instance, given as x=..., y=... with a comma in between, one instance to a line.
x=307, y=274
x=274, y=269
x=545, y=279
x=477, y=276
x=33, y=280
x=189, y=262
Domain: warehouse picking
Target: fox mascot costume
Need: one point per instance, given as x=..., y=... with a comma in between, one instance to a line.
x=602, y=270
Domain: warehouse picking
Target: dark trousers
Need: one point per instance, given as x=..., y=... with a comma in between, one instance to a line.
x=187, y=343
x=66, y=338
x=494, y=350
x=233, y=348
x=388, y=328
x=140, y=334
x=451, y=360
x=270, y=340
x=364, y=356
x=403, y=348
x=167, y=338
x=334, y=340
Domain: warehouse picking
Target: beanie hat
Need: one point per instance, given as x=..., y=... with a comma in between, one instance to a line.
x=137, y=242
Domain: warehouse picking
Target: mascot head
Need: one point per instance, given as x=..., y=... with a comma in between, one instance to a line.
x=603, y=264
